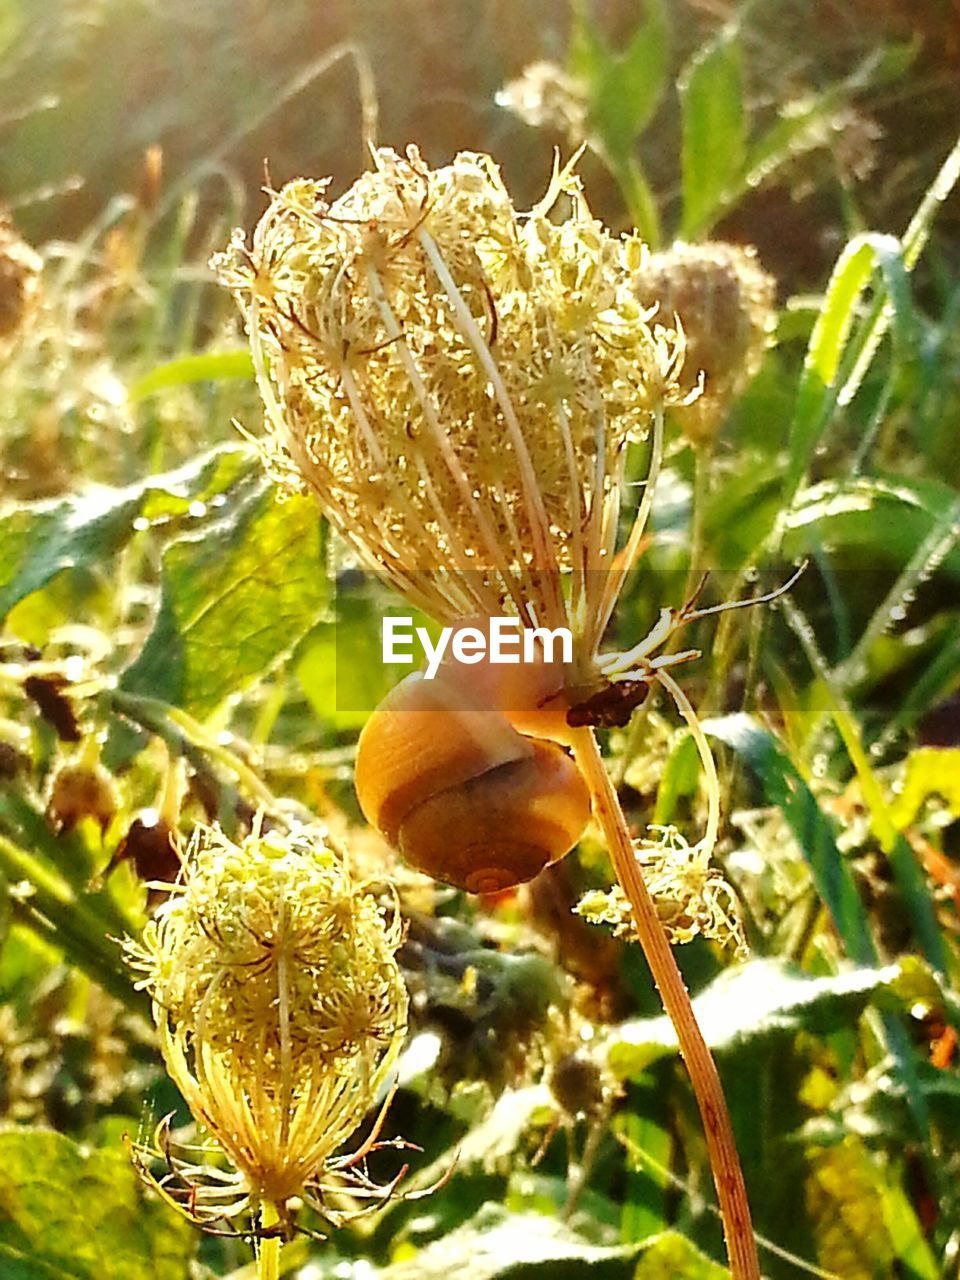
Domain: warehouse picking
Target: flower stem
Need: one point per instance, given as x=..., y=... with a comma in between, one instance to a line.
x=724, y=1160
x=268, y=1257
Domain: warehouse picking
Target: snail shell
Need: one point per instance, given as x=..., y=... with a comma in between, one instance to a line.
x=445, y=774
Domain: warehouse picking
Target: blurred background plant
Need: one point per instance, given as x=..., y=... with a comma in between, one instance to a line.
x=172, y=629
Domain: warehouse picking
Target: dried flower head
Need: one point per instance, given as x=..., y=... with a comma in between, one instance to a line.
x=455, y=380
x=280, y=1008
x=544, y=95
x=725, y=303
x=19, y=283
x=691, y=896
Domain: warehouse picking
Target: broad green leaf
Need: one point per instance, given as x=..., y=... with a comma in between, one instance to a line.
x=784, y=787
x=498, y=1245
x=341, y=670
x=69, y=1214
x=623, y=93
x=753, y=1004
x=39, y=540
x=214, y=366
x=845, y=1204
x=870, y=521
x=588, y=54
x=673, y=1255
x=235, y=600
x=931, y=771
x=714, y=130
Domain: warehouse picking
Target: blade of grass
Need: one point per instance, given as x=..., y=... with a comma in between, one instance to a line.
x=50, y=906
x=906, y=870
x=823, y=376
x=214, y=366
x=784, y=787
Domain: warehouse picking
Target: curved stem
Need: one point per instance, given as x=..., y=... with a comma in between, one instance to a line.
x=268, y=1257
x=724, y=1160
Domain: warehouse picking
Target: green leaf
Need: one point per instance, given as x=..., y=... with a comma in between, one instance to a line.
x=625, y=90
x=341, y=670
x=672, y=1254
x=907, y=873
x=784, y=787
x=751, y=1005
x=39, y=540
x=819, y=395
x=497, y=1245
x=214, y=366
x=648, y=1145
x=878, y=521
x=714, y=130
x=66, y=1214
x=235, y=600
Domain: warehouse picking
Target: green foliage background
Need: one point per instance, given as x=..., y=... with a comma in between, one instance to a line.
x=204, y=634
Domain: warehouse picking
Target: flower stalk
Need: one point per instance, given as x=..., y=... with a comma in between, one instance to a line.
x=721, y=1143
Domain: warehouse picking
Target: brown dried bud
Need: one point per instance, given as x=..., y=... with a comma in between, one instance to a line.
x=80, y=791
x=54, y=705
x=149, y=846
x=577, y=1084
x=725, y=302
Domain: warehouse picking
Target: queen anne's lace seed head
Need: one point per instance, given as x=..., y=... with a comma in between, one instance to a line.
x=725, y=302
x=455, y=380
x=278, y=999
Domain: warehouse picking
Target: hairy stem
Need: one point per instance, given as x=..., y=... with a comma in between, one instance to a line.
x=724, y=1160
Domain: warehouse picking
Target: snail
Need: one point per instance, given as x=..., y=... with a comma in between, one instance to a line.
x=466, y=774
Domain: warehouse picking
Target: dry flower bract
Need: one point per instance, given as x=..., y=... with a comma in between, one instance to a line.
x=280, y=1008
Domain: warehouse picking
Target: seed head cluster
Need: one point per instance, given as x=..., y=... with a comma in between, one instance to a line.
x=278, y=999
x=455, y=380
x=725, y=303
